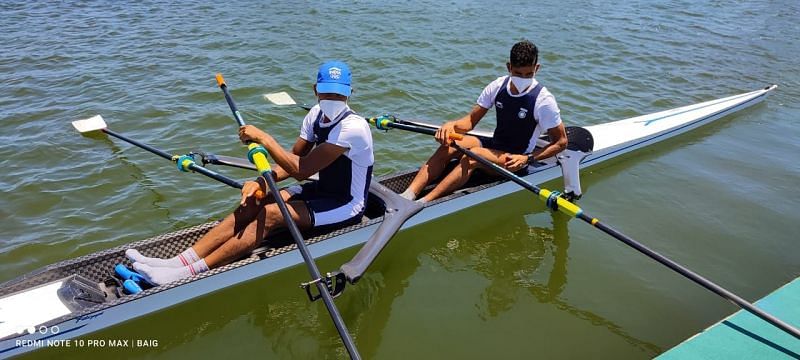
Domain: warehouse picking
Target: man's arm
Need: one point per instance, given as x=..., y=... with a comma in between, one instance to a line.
x=301, y=148
x=301, y=168
x=469, y=121
x=461, y=125
x=558, y=143
x=295, y=166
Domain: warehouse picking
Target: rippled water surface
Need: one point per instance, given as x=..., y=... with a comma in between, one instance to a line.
x=503, y=280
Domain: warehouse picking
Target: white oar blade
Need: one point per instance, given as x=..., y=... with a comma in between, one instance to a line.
x=280, y=98
x=93, y=123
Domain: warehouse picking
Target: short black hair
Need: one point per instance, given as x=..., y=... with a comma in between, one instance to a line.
x=524, y=53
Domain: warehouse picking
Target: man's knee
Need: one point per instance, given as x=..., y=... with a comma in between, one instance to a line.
x=439, y=154
x=468, y=163
x=445, y=151
x=272, y=216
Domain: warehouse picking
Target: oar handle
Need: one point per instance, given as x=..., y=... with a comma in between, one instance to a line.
x=258, y=156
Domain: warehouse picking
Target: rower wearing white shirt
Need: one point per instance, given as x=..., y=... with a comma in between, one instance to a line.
x=334, y=142
x=525, y=110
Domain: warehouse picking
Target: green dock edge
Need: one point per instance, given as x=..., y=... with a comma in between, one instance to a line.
x=744, y=336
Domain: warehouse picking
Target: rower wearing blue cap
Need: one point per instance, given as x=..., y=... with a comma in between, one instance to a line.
x=334, y=143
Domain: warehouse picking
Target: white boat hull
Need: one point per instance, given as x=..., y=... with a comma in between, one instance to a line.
x=611, y=140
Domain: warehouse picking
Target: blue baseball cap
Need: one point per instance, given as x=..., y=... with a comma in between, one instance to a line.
x=334, y=77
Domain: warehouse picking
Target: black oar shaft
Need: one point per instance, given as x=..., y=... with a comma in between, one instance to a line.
x=236, y=114
x=502, y=171
x=691, y=275
x=149, y=148
x=193, y=167
x=575, y=211
x=313, y=270
x=298, y=238
x=413, y=128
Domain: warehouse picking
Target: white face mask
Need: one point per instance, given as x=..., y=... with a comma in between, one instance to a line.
x=521, y=84
x=332, y=108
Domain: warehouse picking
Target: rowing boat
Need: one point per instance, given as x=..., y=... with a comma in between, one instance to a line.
x=80, y=296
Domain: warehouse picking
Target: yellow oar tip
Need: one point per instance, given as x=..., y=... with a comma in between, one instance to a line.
x=220, y=79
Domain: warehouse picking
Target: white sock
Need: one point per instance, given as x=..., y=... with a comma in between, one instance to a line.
x=186, y=258
x=408, y=194
x=164, y=275
x=421, y=200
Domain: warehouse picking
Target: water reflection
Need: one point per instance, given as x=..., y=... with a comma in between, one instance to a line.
x=135, y=171
x=529, y=252
x=556, y=239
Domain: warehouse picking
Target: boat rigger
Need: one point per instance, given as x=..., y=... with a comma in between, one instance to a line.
x=76, y=297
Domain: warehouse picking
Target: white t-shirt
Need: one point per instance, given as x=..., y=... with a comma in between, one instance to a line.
x=352, y=133
x=546, y=111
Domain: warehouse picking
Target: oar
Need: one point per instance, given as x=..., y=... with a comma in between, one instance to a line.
x=185, y=162
x=284, y=99
x=258, y=155
x=556, y=203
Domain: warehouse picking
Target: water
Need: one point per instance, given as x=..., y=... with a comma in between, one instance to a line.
x=504, y=280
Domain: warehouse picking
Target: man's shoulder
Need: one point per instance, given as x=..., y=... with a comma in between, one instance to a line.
x=354, y=119
x=354, y=123
x=354, y=115
x=497, y=83
x=546, y=109
x=352, y=132
x=486, y=99
x=313, y=112
x=545, y=96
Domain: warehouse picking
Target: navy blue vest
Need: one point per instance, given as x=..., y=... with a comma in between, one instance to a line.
x=515, y=121
x=336, y=178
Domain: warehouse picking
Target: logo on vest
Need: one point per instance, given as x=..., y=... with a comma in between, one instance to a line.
x=522, y=113
x=498, y=104
x=335, y=73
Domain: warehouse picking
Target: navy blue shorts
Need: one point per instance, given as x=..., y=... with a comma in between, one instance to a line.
x=490, y=143
x=326, y=210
